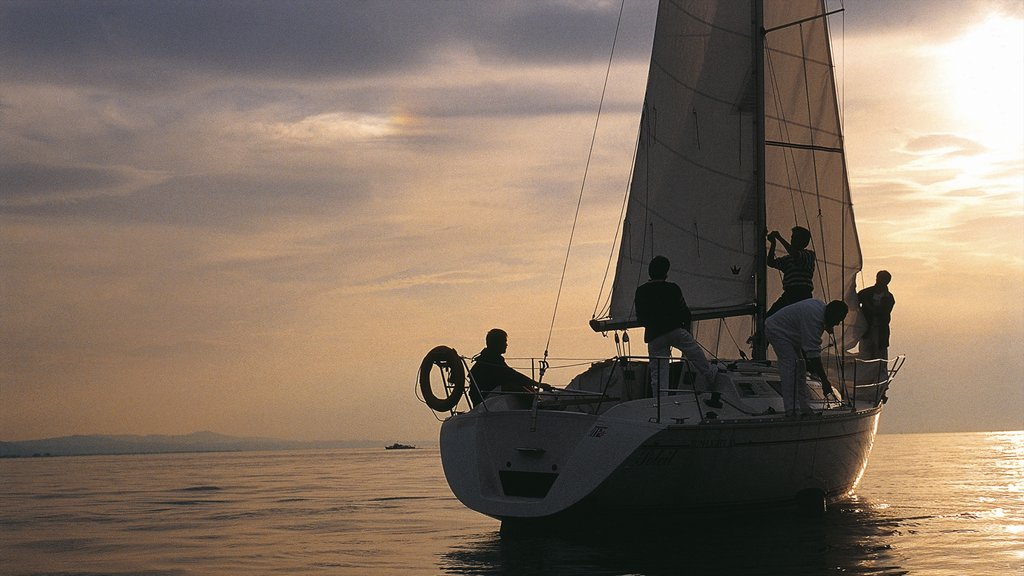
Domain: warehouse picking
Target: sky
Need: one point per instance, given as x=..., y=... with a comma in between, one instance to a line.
x=257, y=217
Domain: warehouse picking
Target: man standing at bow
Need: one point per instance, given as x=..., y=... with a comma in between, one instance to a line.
x=876, y=304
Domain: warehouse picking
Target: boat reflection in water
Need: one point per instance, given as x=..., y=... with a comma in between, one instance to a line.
x=851, y=537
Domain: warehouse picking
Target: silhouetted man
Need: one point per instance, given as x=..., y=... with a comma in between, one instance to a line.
x=663, y=313
x=797, y=267
x=490, y=373
x=876, y=303
x=794, y=332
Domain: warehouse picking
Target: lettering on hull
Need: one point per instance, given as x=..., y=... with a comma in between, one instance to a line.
x=714, y=442
x=655, y=456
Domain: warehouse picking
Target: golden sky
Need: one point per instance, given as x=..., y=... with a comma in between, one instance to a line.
x=257, y=218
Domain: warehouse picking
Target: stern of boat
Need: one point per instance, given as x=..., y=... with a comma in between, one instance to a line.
x=532, y=463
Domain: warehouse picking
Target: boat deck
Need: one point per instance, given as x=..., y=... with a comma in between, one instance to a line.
x=748, y=391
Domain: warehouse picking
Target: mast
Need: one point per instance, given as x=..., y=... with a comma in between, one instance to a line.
x=760, y=346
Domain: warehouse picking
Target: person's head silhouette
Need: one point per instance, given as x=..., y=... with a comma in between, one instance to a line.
x=800, y=238
x=497, y=340
x=835, y=312
x=658, y=268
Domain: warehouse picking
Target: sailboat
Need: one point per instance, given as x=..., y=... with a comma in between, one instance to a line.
x=740, y=134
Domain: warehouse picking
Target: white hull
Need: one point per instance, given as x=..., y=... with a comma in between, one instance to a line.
x=521, y=464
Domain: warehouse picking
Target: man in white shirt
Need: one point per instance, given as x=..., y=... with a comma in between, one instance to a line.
x=794, y=332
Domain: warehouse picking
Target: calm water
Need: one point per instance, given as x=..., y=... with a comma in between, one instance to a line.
x=929, y=504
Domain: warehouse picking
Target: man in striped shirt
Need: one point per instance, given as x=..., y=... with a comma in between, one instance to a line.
x=797, y=267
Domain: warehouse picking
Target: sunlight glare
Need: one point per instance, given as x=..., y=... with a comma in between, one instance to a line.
x=985, y=81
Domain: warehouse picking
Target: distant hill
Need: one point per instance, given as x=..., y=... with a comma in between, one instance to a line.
x=79, y=445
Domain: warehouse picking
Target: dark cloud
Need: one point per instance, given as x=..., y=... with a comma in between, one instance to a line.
x=26, y=180
x=215, y=201
x=561, y=32
x=148, y=41
x=493, y=99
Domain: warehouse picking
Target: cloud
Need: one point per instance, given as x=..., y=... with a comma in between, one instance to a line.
x=333, y=128
x=284, y=202
x=231, y=201
x=935, y=18
x=115, y=42
x=412, y=279
x=27, y=184
x=944, y=145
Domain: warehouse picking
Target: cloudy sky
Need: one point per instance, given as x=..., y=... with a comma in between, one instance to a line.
x=256, y=217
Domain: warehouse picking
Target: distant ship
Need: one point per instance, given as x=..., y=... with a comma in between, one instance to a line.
x=397, y=446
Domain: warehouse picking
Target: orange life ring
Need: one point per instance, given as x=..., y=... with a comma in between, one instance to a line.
x=447, y=359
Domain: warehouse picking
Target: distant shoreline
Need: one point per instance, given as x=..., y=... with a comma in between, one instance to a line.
x=212, y=442
x=198, y=442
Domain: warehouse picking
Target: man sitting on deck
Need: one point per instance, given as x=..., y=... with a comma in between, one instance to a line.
x=490, y=372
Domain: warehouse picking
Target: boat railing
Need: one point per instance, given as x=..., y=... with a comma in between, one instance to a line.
x=618, y=382
x=623, y=360
x=677, y=388
x=868, y=379
x=859, y=381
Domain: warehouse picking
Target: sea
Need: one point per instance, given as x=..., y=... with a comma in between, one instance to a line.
x=930, y=504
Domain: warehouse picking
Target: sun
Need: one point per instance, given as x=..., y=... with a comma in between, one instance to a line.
x=984, y=82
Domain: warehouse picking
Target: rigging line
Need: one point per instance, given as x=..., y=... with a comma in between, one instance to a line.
x=791, y=170
x=728, y=332
x=788, y=155
x=598, y=307
x=792, y=167
x=718, y=337
x=808, y=19
x=649, y=138
x=842, y=88
x=707, y=350
x=790, y=152
x=803, y=146
x=648, y=134
x=847, y=210
x=583, y=184
x=789, y=160
x=822, y=270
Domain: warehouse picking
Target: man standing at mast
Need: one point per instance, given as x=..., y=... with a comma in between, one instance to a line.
x=663, y=313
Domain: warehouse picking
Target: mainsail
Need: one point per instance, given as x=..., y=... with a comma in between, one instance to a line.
x=709, y=121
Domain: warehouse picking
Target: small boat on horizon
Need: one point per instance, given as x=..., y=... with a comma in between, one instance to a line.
x=740, y=133
x=397, y=446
